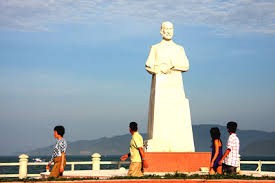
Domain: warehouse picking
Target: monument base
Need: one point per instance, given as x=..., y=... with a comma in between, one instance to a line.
x=177, y=161
x=158, y=145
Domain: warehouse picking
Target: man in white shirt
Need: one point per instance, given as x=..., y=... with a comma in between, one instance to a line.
x=230, y=159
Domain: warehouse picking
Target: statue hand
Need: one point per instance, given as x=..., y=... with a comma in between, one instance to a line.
x=153, y=70
x=157, y=70
x=165, y=68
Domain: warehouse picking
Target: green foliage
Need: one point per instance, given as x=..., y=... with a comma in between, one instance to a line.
x=178, y=175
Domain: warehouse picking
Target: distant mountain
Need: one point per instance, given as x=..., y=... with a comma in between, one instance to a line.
x=252, y=143
x=260, y=148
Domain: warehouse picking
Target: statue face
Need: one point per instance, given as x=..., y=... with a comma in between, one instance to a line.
x=167, y=30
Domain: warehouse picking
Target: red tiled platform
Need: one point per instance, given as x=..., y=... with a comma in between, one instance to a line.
x=177, y=161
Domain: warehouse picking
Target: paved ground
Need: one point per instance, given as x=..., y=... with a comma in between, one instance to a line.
x=257, y=174
x=91, y=173
x=123, y=172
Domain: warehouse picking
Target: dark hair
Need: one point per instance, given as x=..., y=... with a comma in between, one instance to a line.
x=133, y=126
x=215, y=133
x=232, y=126
x=60, y=130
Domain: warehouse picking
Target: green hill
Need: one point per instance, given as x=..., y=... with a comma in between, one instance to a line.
x=253, y=142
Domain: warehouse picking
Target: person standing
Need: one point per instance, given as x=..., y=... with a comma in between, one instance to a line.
x=136, y=154
x=59, y=153
x=216, y=154
x=230, y=159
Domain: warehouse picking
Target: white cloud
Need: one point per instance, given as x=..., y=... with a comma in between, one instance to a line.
x=228, y=16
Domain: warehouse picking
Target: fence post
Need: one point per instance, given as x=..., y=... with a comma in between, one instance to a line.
x=23, y=166
x=96, y=161
x=260, y=166
x=239, y=164
x=72, y=167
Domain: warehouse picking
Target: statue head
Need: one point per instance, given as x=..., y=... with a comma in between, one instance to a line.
x=167, y=30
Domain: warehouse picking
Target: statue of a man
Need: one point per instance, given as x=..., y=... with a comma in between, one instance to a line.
x=169, y=113
x=166, y=56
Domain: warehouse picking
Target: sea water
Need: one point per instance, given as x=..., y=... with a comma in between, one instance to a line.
x=36, y=169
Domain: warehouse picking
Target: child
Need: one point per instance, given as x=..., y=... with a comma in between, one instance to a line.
x=216, y=155
x=231, y=155
x=59, y=153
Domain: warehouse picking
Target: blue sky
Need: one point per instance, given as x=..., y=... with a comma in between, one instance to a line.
x=80, y=63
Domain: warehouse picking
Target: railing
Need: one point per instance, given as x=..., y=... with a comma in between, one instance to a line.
x=9, y=175
x=258, y=163
x=23, y=165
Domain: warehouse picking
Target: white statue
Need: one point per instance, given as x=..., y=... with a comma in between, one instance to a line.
x=169, y=123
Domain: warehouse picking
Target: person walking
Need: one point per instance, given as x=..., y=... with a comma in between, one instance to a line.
x=59, y=153
x=136, y=154
x=230, y=159
x=216, y=154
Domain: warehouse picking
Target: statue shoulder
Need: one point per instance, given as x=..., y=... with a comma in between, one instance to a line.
x=178, y=46
x=156, y=45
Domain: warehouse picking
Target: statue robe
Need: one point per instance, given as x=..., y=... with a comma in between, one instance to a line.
x=169, y=121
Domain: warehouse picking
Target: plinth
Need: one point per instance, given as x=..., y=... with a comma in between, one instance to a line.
x=176, y=161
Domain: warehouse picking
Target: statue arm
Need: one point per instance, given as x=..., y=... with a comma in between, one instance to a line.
x=150, y=63
x=150, y=70
x=182, y=63
x=179, y=68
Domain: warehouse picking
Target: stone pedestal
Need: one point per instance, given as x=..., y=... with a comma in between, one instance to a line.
x=176, y=162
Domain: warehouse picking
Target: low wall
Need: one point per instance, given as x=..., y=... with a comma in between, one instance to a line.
x=177, y=161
